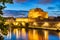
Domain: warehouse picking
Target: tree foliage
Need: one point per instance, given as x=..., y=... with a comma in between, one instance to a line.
x=2, y=20
x=6, y=1
x=2, y=4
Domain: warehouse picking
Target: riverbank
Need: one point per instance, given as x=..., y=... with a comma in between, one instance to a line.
x=42, y=28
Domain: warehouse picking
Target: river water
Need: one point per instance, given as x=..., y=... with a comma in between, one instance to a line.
x=32, y=34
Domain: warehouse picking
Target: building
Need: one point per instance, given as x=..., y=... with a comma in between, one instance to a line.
x=51, y=17
x=34, y=13
x=9, y=20
x=25, y=19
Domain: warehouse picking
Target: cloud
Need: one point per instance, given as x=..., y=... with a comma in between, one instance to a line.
x=49, y=1
x=51, y=8
x=15, y=13
x=58, y=6
x=44, y=1
x=38, y=1
x=20, y=0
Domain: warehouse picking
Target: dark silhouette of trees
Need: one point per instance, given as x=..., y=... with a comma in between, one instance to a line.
x=3, y=2
x=2, y=26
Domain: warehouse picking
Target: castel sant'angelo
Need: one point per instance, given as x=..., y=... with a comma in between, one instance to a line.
x=32, y=14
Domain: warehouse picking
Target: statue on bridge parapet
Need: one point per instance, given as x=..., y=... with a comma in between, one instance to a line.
x=26, y=24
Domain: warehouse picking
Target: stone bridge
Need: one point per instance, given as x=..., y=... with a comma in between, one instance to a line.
x=43, y=23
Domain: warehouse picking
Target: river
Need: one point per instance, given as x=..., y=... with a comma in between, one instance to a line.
x=32, y=34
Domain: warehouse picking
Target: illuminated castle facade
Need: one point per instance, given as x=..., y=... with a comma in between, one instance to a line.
x=32, y=14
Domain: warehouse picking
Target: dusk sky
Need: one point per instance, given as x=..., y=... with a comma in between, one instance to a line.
x=50, y=6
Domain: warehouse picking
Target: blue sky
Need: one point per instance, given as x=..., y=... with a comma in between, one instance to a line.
x=50, y=6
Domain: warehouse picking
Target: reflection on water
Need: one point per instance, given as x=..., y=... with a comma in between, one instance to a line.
x=45, y=35
x=59, y=35
x=32, y=34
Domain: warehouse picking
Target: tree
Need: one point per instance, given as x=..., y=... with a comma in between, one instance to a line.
x=2, y=6
x=3, y=2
